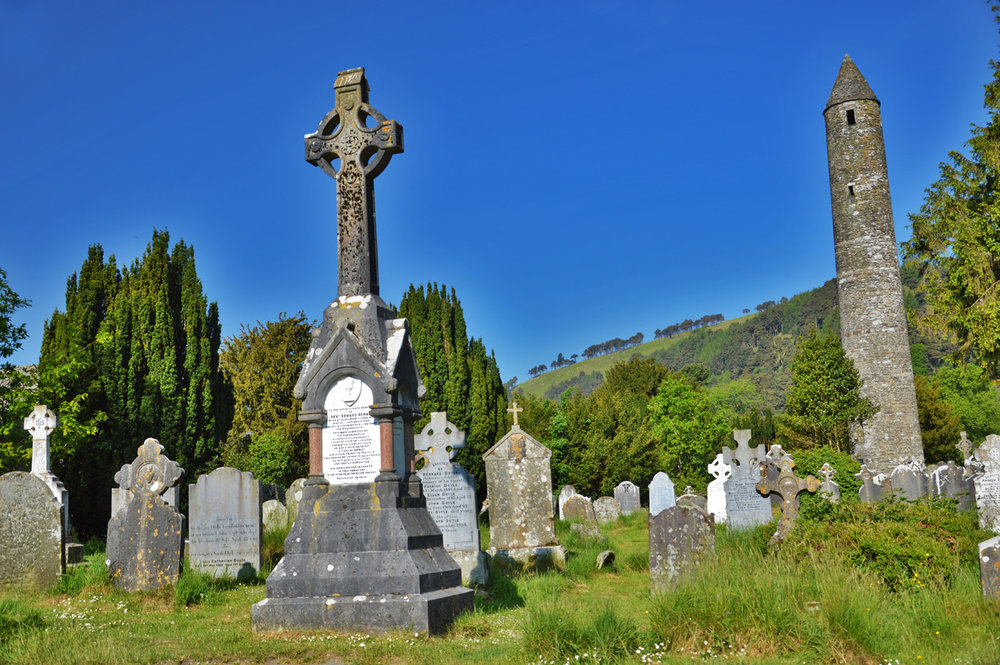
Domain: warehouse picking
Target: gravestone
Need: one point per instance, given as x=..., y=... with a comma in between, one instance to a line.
x=988, y=483
x=293, y=497
x=679, y=537
x=364, y=552
x=965, y=447
x=788, y=487
x=607, y=509
x=145, y=538
x=40, y=424
x=31, y=533
x=274, y=515
x=661, y=493
x=627, y=494
x=450, y=492
x=225, y=530
x=586, y=530
x=692, y=499
x=871, y=489
x=910, y=481
x=745, y=507
x=989, y=567
x=952, y=481
x=716, y=499
x=564, y=494
x=519, y=488
x=581, y=509
x=829, y=489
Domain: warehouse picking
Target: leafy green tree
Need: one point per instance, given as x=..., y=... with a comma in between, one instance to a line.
x=955, y=233
x=688, y=429
x=13, y=383
x=824, y=400
x=940, y=423
x=969, y=390
x=268, y=456
x=262, y=364
x=11, y=335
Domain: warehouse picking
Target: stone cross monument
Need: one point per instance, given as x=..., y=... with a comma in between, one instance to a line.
x=869, y=290
x=364, y=552
x=40, y=423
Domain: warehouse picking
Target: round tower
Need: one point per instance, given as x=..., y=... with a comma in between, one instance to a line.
x=869, y=291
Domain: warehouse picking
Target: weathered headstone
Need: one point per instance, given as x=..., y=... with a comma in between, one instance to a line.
x=450, y=492
x=225, y=529
x=40, y=423
x=871, y=489
x=989, y=567
x=519, y=485
x=607, y=509
x=829, y=489
x=692, y=499
x=581, y=509
x=564, y=494
x=910, y=481
x=145, y=538
x=788, y=487
x=951, y=480
x=274, y=515
x=293, y=497
x=363, y=553
x=988, y=483
x=745, y=507
x=716, y=493
x=31, y=533
x=678, y=538
x=627, y=494
x=661, y=493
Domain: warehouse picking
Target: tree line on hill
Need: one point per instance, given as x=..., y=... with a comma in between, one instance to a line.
x=688, y=324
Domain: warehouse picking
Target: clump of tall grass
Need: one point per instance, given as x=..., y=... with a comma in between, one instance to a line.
x=194, y=587
x=555, y=632
x=272, y=548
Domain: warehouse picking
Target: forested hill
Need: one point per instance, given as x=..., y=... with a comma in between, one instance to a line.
x=758, y=347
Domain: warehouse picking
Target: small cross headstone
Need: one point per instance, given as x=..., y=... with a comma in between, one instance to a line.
x=965, y=447
x=40, y=423
x=988, y=483
x=679, y=537
x=450, y=492
x=607, y=509
x=225, y=529
x=788, y=487
x=145, y=537
x=745, y=507
x=829, y=490
x=627, y=494
x=564, y=494
x=950, y=480
x=989, y=567
x=661, y=493
x=716, y=499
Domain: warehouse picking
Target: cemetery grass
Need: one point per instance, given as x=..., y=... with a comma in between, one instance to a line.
x=811, y=601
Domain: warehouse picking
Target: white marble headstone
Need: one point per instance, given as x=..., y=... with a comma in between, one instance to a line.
x=988, y=484
x=661, y=494
x=716, y=489
x=745, y=506
x=352, y=450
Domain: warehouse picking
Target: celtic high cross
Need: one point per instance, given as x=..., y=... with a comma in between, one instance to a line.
x=363, y=152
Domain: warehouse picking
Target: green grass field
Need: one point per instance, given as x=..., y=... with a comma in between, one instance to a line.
x=746, y=604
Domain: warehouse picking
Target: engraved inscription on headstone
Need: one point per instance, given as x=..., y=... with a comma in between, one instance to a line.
x=745, y=507
x=988, y=483
x=351, y=438
x=225, y=529
x=31, y=550
x=449, y=489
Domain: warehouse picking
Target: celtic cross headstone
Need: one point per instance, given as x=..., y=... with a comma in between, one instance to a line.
x=745, y=507
x=788, y=486
x=353, y=144
x=40, y=423
x=716, y=493
x=829, y=489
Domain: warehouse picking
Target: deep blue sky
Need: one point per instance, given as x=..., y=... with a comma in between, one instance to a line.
x=577, y=171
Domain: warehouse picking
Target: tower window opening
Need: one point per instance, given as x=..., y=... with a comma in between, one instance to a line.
x=850, y=189
x=850, y=116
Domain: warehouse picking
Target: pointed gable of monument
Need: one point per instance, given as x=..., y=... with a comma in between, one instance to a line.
x=850, y=85
x=517, y=444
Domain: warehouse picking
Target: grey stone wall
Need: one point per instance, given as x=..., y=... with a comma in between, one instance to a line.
x=869, y=291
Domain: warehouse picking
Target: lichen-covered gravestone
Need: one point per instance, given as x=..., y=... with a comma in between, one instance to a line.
x=607, y=509
x=274, y=515
x=910, y=480
x=293, y=497
x=692, y=498
x=989, y=567
x=564, y=494
x=31, y=541
x=145, y=538
x=952, y=481
x=581, y=509
x=679, y=537
x=627, y=494
x=450, y=491
x=988, y=483
x=225, y=529
x=745, y=507
x=788, y=487
x=519, y=487
x=716, y=493
x=661, y=493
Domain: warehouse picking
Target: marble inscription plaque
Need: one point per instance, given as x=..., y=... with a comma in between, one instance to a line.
x=351, y=443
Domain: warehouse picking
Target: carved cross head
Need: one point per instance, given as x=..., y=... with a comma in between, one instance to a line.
x=514, y=409
x=744, y=461
x=720, y=469
x=439, y=440
x=827, y=472
x=41, y=422
x=776, y=456
x=151, y=471
x=965, y=447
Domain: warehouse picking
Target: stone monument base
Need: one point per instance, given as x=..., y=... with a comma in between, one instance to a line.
x=362, y=556
x=475, y=566
x=530, y=557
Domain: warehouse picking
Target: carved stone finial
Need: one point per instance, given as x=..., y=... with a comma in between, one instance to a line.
x=515, y=410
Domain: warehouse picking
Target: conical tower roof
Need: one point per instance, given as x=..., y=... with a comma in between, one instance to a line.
x=850, y=85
